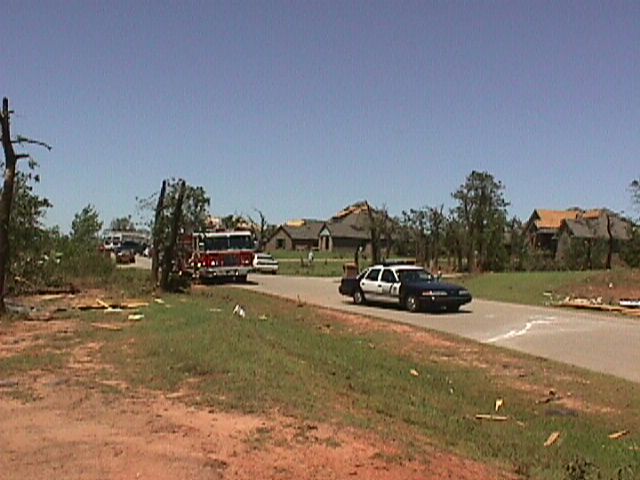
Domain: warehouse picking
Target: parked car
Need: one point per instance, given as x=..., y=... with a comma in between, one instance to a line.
x=125, y=254
x=265, y=263
x=408, y=285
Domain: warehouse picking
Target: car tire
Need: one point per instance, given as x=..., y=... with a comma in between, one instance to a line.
x=358, y=297
x=411, y=303
x=453, y=308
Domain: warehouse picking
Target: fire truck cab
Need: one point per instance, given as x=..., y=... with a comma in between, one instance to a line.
x=222, y=255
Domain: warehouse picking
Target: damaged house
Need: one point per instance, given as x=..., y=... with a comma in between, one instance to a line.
x=558, y=232
x=602, y=227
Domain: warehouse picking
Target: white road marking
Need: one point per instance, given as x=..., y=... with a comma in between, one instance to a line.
x=536, y=320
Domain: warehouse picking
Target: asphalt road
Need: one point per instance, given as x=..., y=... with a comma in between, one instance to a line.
x=602, y=343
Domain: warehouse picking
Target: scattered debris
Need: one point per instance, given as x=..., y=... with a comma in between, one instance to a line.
x=263, y=317
x=551, y=397
x=215, y=310
x=499, y=404
x=113, y=310
x=159, y=300
x=135, y=317
x=300, y=302
x=414, y=372
x=102, y=305
x=238, y=310
x=629, y=303
x=625, y=306
x=553, y=438
x=617, y=435
x=8, y=383
x=490, y=416
x=107, y=326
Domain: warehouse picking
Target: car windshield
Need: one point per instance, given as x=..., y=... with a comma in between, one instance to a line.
x=414, y=275
x=231, y=242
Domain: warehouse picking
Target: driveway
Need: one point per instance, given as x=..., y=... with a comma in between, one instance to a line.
x=603, y=343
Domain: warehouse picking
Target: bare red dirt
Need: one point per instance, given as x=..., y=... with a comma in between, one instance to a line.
x=67, y=423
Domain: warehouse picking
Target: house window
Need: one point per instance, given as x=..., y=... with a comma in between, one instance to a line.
x=280, y=244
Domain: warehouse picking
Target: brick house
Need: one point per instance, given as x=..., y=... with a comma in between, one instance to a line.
x=296, y=235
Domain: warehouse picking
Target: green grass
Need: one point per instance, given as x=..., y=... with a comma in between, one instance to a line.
x=521, y=287
x=319, y=268
x=299, y=362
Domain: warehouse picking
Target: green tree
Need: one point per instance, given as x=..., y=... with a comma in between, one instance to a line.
x=86, y=227
x=482, y=211
x=30, y=241
x=13, y=184
x=427, y=227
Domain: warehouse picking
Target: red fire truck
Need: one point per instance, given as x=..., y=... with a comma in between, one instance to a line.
x=222, y=255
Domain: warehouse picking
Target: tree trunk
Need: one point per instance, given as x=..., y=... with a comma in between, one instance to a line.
x=375, y=236
x=157, y=232
x=6, y=199
x=169, y=251
x=610, y=249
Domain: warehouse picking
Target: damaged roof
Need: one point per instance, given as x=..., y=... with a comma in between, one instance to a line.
x=596, y=227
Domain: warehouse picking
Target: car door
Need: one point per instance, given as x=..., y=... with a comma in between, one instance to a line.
x=369, y=284
x=386, y=290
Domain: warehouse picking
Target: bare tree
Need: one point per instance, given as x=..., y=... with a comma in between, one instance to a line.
x=157, y=232
x=609, y=242
x=169, y=250
x=261, y=229
x=6, y=198
x=375, y=234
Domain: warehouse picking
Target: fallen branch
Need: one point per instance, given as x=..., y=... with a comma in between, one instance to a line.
x=494, y=418
x=107, y=326
x=553, y=438
x=617, y=435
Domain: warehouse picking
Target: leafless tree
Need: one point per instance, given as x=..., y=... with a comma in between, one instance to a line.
x=170, y=247
x=157, y=232
x=6, y=198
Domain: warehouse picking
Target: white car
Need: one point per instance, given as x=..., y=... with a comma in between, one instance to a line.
x=265, y=263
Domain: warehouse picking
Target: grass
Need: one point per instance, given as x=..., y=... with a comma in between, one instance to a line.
x=319, y=268
x=299, y=361
x=522, y=287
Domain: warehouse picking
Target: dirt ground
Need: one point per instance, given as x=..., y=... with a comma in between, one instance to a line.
x=72, y=425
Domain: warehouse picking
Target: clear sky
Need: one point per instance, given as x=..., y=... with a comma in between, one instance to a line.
x=301, y=108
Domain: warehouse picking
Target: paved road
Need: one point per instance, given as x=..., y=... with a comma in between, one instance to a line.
x=608, y=344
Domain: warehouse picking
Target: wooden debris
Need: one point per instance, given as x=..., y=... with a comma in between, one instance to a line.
x=107, y=326
x=132, y=305
x=488, y=416
x=625, y=307
x=102, y=305
x=551, y=397
x=553, y=438
x=617, y=435
x=135, y=317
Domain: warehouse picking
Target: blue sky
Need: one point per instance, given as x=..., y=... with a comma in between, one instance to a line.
x=301, y=108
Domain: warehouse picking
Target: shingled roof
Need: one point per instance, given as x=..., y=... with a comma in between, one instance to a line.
x=305, y=229
x=596, y=227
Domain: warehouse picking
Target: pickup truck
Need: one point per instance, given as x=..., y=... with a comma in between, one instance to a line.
x=410, y=286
